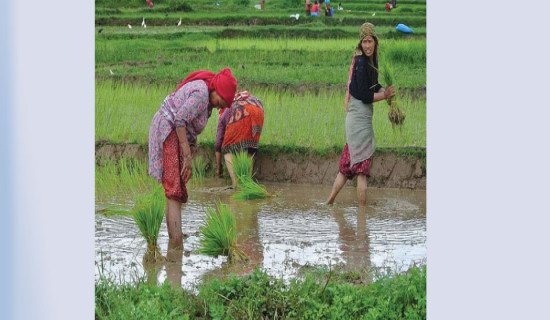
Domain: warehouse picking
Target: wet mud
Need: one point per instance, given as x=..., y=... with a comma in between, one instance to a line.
x=282, y=234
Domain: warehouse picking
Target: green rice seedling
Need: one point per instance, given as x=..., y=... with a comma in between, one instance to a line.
x=148, y=214
x=199, y=171
x=242, y=165
x=121, y=180
x=320, y=133
x=248, y=189
x=396, y=115
x=218, y=235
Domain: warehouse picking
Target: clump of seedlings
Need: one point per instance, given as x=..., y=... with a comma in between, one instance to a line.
x=247, y=188
x=199, y=171
x=396, y=115
x=148, y=214
x=218, y=235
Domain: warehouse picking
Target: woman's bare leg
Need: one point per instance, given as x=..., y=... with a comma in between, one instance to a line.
x=362, y=189
x=173, y=223
x=229, y=165
x=336, y=187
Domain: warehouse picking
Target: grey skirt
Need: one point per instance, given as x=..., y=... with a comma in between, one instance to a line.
x=359, y=131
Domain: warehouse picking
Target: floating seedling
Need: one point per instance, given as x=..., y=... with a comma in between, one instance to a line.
x=148, y=214
x=247, y=188
x=396, y=115
x=218, y=235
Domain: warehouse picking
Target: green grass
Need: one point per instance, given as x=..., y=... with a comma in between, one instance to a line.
x=148, y=214
x=243, y=12
x=290, y=61
x=320, y=294
x=199, y=171
x=293, y=121
x=122, y=181
x=247, y=188
x=218, y=235
x=309, y=31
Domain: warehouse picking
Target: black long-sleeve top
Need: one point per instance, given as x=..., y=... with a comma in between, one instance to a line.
x=364, y=80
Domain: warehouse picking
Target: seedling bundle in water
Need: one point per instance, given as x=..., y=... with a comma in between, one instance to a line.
x=396, y=115
x=248, y=189
x=199, y=171
x=148, y=214
x=218, y=235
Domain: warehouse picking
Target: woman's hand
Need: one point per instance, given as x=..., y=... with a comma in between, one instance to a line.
x=194, y=150
x=389, y=92
x=187, y=168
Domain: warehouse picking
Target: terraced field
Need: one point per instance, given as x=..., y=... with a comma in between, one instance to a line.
x=298, y=67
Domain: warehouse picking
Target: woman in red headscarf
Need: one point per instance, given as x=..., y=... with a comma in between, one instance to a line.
x=173, y=136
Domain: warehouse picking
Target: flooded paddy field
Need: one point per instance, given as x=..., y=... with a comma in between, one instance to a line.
x=281, y=235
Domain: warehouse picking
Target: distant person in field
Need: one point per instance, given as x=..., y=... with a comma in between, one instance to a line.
x=239, y=129
x=315, y=9
x=308, y=7
x=362, y=91
x=327, y=8
x=388, y=6
x=340, y=6
x=263, y=4
x=173, y=137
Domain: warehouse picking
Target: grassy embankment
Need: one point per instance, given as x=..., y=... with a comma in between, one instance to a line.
x=320, y=294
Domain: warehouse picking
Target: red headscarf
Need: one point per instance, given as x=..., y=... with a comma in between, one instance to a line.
x=223, y=82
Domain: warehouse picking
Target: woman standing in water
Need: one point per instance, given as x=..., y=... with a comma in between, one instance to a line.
x=173, y=137
x=363, y=90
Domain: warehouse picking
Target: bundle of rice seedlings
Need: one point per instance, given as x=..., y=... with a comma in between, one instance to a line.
x=396, y=115
x=199, y=171
x=248, y=189
x=148, y=214
x=218, y=235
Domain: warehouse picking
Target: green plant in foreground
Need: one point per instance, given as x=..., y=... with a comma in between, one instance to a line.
x=260, y=296
x=218, y=235
x=148, y=214
x=248, y=189
x=396, y=115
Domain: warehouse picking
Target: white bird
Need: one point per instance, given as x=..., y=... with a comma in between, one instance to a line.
x=129, y=26
x=373, y=14
x=143, y=22
x=297, y=16
x=179, y=23
x=144, y=25
x=111, y=71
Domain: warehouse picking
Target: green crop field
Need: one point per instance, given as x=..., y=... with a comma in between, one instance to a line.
x=297, y=67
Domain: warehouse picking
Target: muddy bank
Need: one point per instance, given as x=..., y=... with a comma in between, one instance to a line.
x=390, y=168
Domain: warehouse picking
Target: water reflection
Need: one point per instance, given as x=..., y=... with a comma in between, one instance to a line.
x=281, y=235
x=174, y=264
x=248, y=232
x=354, y=241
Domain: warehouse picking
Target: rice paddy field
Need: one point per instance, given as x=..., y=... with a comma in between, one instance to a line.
x=299, y=69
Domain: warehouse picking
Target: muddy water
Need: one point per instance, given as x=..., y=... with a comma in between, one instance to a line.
x=281, y=234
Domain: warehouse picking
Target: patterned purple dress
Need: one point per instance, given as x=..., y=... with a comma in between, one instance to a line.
x=187, y=106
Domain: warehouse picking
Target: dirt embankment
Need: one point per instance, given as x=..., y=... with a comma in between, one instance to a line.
x=396, y=168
